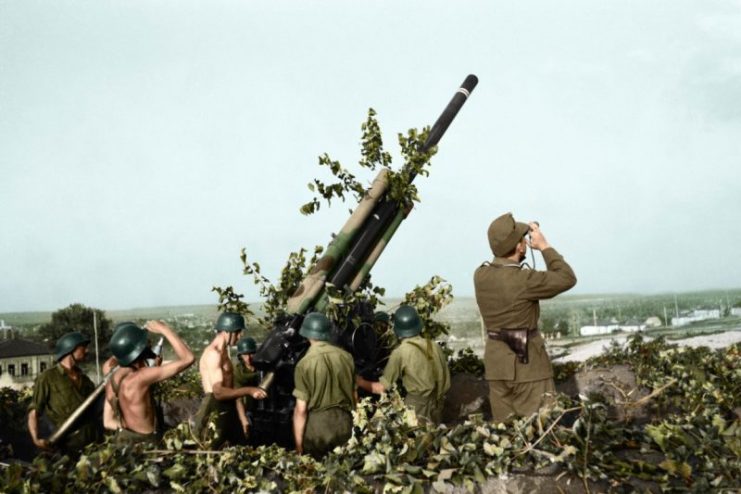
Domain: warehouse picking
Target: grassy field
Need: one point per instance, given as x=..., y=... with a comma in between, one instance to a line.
x=564, y=314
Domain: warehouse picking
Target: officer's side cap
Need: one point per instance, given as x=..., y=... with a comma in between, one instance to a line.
x=505, y=233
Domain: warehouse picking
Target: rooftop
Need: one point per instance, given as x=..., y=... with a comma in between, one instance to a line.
x=22, y=348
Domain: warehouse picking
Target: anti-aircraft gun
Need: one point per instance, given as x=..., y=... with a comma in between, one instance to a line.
x=346, y=263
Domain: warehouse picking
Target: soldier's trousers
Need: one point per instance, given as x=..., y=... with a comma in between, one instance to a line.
x=428, y=409
x=326, y=429
x=520, y=399
x=129, y=437
x=224, y=417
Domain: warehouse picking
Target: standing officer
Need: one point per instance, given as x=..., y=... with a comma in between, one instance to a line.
x=217, y=377
x=517, y=366
x=245, y=374
x=324, y=390
x=421, y=365
x=59, y=391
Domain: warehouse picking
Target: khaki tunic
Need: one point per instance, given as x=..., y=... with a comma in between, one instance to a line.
x=424, y=373
x=55, y=395
x=508, y=297
x=245, y=377
x=325, y=379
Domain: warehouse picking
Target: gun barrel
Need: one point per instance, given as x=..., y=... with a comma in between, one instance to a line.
x=312, y=285
x=384, y=214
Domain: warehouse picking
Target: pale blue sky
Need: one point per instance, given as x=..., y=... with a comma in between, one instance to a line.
x=143, y=143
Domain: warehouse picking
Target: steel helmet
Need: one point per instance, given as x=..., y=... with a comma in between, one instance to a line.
x=231, y=322
x=68, y=342
x=246, y=345
x=407, y=322
x=381, y=316
x=316, y=326
x=128, y=342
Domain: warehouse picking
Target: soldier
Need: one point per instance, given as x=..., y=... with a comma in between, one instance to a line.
x=59, y=391
x=421, y=365
x=245, y=374
x=381, y=321
x=129, y=392
x=217, y=377
x=517, y=366
x=324, y=390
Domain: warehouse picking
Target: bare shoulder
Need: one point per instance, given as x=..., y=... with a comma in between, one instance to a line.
x=211, y=358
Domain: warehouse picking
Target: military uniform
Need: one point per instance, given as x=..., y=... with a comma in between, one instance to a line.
x=225, y=420
x=57, y=395
x=325, y=380
x=245, y=377
x=508, y=297
x=423, y=369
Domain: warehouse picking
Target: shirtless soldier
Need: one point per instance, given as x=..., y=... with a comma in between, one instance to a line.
x=129, y=390
x=217, y=377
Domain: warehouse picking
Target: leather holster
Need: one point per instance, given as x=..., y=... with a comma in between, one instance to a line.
x=516, y=340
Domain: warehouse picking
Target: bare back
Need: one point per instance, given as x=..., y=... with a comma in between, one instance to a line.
x=134, y=399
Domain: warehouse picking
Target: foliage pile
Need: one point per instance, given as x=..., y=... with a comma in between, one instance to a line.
x=694, y=444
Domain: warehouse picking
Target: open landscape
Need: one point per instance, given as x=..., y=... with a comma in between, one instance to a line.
x=634, y=438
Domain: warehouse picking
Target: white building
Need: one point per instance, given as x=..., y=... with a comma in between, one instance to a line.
x=736, y=311
x=695, y=316
x=608, y=327
x=21, y=361
x=653, y=322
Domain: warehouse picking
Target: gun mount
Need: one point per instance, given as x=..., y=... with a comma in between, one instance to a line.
x=346, y=263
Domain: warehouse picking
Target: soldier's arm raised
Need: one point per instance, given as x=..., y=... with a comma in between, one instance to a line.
x=185, y=358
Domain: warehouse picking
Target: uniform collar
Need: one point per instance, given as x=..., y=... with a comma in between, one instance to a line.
x=63, y=372
x=504, y=262
x=319, y=344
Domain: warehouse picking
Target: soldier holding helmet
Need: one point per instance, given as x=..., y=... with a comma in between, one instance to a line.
x=518, y=369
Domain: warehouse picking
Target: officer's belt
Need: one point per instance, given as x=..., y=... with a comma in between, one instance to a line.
x=516, y=339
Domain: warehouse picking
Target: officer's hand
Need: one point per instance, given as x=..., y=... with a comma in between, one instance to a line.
x=42, y=443
x=258, y=394
x=537, y=240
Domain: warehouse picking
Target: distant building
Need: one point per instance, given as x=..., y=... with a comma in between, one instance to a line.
x=607, y=327
x=695, y=316
x=653, y=322
x=22, y=360
x=736, y=311
x=4, y=329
